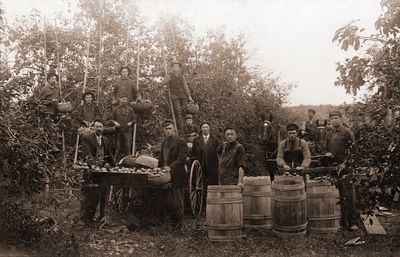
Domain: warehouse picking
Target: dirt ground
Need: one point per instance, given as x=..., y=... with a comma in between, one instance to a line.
x=161, y=241
x=193, y=241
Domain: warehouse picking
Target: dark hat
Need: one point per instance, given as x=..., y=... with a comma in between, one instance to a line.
x=230, y=128
x=188, y=116
x=124, y=67
x=88, y=93
x=52, y=74
x=98, y=120
x=176, y=62
x=311, y=110
x=167, y=123
x=205, y=122
x=335, y=113
x=292, y=126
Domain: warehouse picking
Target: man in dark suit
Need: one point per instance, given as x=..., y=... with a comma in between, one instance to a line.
x=173, y=158
x=205, y=150
x=96, y=153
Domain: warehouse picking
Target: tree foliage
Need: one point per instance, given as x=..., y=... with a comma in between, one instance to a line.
x=375, y=120
x=227, y=90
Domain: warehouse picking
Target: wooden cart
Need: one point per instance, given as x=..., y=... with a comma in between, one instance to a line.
x=195, y=184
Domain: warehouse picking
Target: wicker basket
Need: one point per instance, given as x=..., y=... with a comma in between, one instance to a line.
x=192, y=108
x=64, y=107
x=129, y=161
x=146, y=161
x=84, y=131
x=142, y=107
x=159, y=179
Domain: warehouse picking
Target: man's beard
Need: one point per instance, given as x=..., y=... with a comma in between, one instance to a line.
x=99, y=133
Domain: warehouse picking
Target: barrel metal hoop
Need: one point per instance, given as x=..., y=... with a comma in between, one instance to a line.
x=257, y=194
x=257, y=217
x=327, y=230
x=288, y=187
x=224, y=238
x=225, y=201
x=316, y=195
x=290, y=228
x=290, y=198
x=224, y=226
x=325, y=217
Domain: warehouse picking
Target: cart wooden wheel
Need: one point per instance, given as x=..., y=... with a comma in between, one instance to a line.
x=196, y=188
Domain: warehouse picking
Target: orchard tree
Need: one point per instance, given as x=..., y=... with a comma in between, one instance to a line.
x=375, y=156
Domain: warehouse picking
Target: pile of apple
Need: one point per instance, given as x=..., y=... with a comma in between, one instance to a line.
x=148, y=171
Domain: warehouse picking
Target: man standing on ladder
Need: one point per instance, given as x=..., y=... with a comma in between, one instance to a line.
x=125, y=86
x=50, y=95
x=180, y=94
x=124, y=118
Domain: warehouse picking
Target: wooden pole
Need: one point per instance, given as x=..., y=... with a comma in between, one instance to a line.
x=137, y=88
x=86, y=65
x=58, y=60
x=99, y=56
x=166, y=74
x=45, y=50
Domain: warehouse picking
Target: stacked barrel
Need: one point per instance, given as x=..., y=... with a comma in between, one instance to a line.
x=288, y=205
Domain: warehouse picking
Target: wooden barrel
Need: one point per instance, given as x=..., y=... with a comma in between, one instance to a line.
x=289, y=206
x=322, y=207
x=224, y=213
x=257, y=202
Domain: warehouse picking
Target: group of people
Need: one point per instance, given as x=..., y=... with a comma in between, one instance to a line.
x=222, y=162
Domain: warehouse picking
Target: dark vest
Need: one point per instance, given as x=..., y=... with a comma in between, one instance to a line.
x=100, y=154
x=293, y=157
x=88, y=112
x=176, y=86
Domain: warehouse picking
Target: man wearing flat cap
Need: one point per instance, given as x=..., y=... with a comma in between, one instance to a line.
x=309, y=126
x=337, y=144
x=88, y=111
x=180, y=94
x=293, y=152
x=125, y=86
x=339, y=139
x=173, y=158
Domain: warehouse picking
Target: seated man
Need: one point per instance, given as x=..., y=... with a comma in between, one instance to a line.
x=293, y=152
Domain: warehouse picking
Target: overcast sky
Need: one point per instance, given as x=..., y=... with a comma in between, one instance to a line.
x=292, y=38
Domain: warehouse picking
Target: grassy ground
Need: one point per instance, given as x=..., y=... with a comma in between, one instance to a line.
x=77, y=240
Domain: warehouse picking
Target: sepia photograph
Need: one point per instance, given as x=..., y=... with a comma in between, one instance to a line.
x=200, y=128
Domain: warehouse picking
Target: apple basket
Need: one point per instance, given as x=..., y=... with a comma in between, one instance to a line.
x=64, y=107
x=159, y=178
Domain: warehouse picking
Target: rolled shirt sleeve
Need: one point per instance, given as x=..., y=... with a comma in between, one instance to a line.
x=306, y=154
x=281, y=150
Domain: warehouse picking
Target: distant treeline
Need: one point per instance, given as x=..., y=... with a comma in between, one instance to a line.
x=298, y=114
